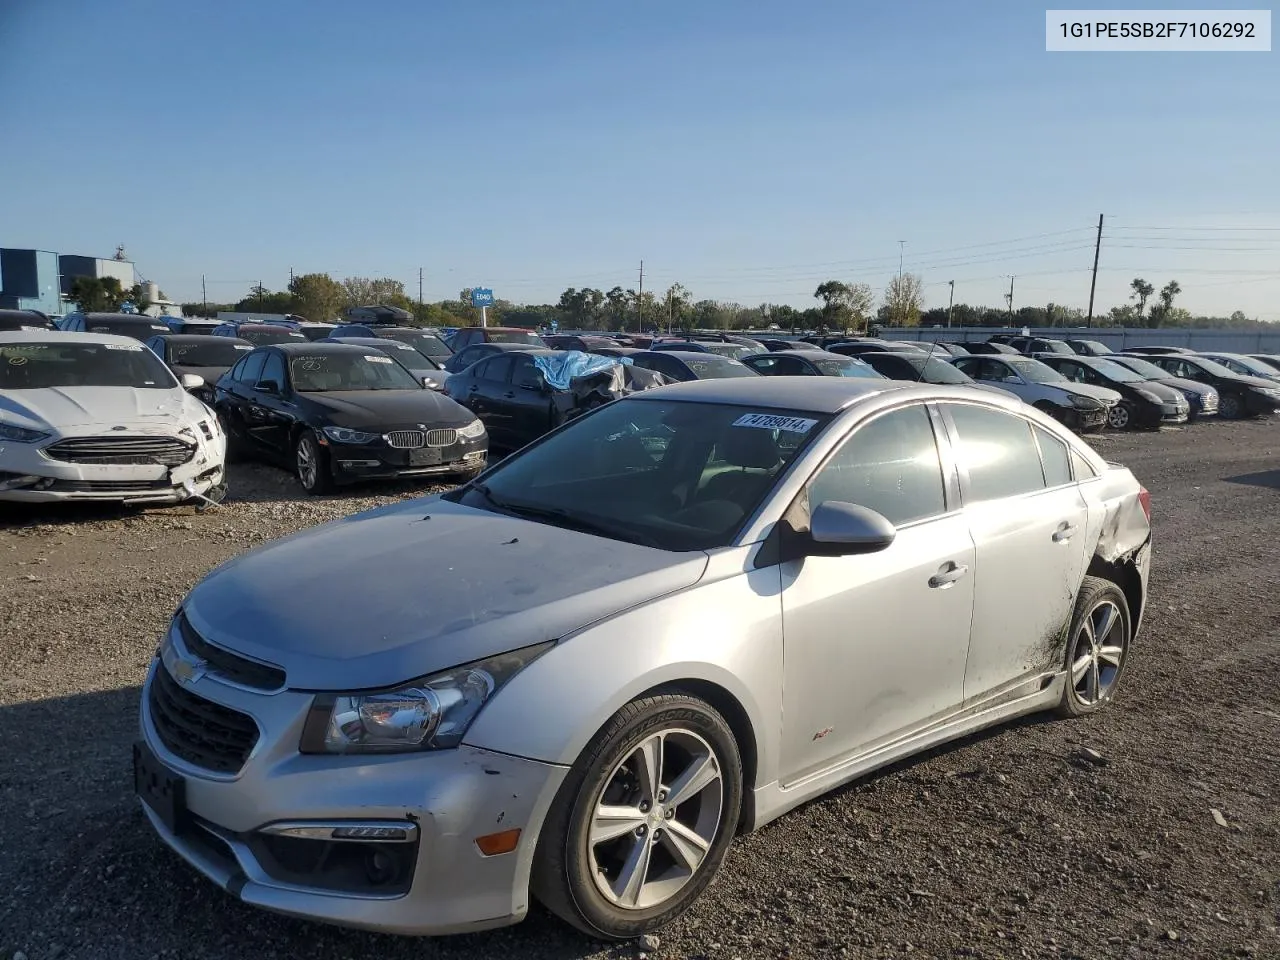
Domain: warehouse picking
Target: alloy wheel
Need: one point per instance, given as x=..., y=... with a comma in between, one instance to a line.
x=1229, y=406
x=1097, y=653
x=308, y=463
x=655, y=819
x=1118, y=417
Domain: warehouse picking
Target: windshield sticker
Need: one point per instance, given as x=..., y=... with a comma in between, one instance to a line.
x=766, y=421
x=378, y=359
x=31, y=329
x=123, y=346
x=310, y=364
x=17, y=361
x=242, y=346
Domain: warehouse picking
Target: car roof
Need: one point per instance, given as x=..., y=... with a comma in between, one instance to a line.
x=697, y=355
x=311, y=346
x=59, y=336
x=816, y=394
x=125, y=317
x=505, y=346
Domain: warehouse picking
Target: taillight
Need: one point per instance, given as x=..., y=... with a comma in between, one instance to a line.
x=1144, y=498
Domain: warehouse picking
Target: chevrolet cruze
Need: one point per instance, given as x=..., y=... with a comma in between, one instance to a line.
x=673, y=619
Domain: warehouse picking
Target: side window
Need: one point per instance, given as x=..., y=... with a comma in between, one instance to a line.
x=499, y=368
x=1055, y=457
x=525, y=374
x=1081, y=467
x=252, y=368
x=791, y=367
x=889, y=465
x=764, y=365
x=999, y=450
x=970, y=366
x=482, y=369
x=238, y=370
x=274, y=370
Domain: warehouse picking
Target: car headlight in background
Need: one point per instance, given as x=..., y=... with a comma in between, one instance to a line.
x=472, y=430
x=1085, y=403
x=429, y=714
x=347, y=435
x=17, y=434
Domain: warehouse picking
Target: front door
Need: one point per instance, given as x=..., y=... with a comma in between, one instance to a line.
x=875, y=644
x=1028, y=521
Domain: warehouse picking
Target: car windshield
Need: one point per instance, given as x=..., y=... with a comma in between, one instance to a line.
x=318, y=373
x=667, y=474
x=939, y=371
x=1095, y=346
x=264, y=335
x=427, y=344
x=1255, y=367
x=710, y=366
x=515, y=336
x=1116, y=371
x=39, y=366
x=1146, y=368
x=838, y=366
x=1033, y=371
x=140, y=329
x=735, y=351
x=209, y=352
x=405, y=355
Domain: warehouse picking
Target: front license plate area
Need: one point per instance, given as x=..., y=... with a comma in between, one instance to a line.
x=424, y=457
x=163, y=792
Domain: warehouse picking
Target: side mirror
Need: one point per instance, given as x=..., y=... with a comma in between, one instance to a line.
x=269, y=386
x=839, y=529
x=191, y=382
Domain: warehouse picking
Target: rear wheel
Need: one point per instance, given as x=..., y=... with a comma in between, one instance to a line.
x=644, y=819
x=1097, y=647
x=1231, y=406
x=311, y=464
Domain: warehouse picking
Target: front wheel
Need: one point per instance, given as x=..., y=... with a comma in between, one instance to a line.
x=1231, y=406
x=1120, y=417
x=1097, y=647
x=311, y=465
x=644, y=819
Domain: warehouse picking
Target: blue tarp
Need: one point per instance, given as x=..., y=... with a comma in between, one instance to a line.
x=562, y=368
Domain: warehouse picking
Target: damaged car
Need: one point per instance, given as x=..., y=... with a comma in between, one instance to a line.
x=87, y=416
x=521, y=394
x=667, y=622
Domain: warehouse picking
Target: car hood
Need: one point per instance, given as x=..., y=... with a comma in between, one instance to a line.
x=1255, y=383
x=403, y=591
x=1105, y=394
x=1181, y=384
x=1164, y=391
x=371, y=408
x=60, y=407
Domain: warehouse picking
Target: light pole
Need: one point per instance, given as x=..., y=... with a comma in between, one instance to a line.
x=952, y=302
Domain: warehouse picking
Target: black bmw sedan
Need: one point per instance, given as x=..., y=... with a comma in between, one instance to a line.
x=1145, y=404
x=338, y=413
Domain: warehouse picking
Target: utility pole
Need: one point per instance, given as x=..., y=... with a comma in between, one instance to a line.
x=640, y=302
x=1009, y=297
x=902, y=244
x=204, y=295
x=420, y=289
x=952, y=303
x=260, y=289
x=291, y=279
x=1093, y=284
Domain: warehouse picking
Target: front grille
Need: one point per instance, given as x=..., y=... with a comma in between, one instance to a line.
x=199, y=731
x=228, y=665
x=406, y=439
x=441, y=438
x=135, y=451
x=108, y=486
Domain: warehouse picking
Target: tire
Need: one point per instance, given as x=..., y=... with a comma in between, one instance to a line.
x=1092, y=679
x=311, y=464
x=584, y=883
x=1231, y=406
x=1120, y=417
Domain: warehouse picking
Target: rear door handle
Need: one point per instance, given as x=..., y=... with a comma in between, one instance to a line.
x=948, y=574
x=510, y=395
x=1064, y=533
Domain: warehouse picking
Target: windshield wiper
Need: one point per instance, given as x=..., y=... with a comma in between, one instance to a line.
x=559, y=517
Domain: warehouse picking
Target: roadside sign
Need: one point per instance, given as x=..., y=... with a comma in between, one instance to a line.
x=480, y=297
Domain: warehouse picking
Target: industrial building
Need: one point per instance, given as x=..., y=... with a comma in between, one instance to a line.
x=41, y=280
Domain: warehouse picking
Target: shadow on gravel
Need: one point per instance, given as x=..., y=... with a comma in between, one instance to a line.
x=262, y=483
x=17, y=515
x=1265, y=478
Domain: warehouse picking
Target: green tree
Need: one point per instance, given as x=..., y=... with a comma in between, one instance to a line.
x=1141, y=291
x=367, y=291
x=138, y=297
x=581, y=308
x=675, y=306
x=317, y=296
x=1162, y=313
x=97, y=294
x=904, y=296
x=262, y=300
x=616, y=307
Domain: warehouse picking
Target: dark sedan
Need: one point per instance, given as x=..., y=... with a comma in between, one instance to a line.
x=920, y=367
x=808, y=363
x=1244, y=365
x=1090, y=348
x=681, y=365
x=860, y=348
x=571, y=341
x=479, y=351
x=735, y=351
x=136, y=325
x=426, y=342
x=260, y=334
x=203, y=356
x=1272, y=360
x=1157, y=350
x=337, y=413
x=990, y=347
x=1202, y=398
x=25, y=320
x=773, y=344
x=1237, y=396
x=423, y=368
x=1143, y=403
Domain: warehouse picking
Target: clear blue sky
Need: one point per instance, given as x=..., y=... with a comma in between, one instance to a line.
x=748, y=149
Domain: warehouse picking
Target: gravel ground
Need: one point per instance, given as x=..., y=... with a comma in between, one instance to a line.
x=1010, y=844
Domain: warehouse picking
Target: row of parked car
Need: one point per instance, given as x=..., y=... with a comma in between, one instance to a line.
x=375, y=398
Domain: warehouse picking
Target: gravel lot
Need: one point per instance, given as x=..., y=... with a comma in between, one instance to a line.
x=1010, y=844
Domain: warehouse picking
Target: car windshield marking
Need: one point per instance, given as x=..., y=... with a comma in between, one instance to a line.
x=559, y=517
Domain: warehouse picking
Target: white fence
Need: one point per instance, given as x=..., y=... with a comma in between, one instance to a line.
x=1117, y=338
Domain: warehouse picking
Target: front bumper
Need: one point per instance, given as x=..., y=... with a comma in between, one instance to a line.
x=351, y=463
x=1086, y=419
x=453, y=796
x=28, y=476
x=1174, y=412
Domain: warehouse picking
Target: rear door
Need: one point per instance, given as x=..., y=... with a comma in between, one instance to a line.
x=530, y=400
x=1028, y=521
x=490, y=381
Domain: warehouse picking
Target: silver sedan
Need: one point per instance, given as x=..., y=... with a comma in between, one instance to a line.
x=577, y=677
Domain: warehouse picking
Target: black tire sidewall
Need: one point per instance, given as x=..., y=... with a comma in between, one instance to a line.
x=1093, y=590
x=566, y=834
x=1226, y=403
x=308, y=436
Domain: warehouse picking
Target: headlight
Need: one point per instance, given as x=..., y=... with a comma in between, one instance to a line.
x=1085, y=403
x=472, y=430
x=430, y=714
x=347, y=435
x=20, y=434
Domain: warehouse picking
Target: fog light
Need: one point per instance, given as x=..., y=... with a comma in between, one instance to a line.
x=381, y=868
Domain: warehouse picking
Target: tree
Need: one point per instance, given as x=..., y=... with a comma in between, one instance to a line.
x=262, y=300
x=616, y=301
x=365, y=291
x=138, y=297
x=844, y=305
x=904, y=296
x=1141, y=291
x=676, y=302
x=317, y=296
x=581, y=307
x=97, y=294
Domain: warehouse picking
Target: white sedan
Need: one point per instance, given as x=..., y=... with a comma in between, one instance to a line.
x=86, y=416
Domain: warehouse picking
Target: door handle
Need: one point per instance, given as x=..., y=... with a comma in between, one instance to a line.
x=510, y=395
x=948, y=574
x=1064, y=533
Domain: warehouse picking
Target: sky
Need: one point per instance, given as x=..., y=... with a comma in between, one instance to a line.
x=748, y=150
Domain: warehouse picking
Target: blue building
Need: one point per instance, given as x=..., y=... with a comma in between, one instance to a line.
x=29, y=280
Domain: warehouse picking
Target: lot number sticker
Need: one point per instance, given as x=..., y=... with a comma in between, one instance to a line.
x=379, y=359
x=767, y=421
